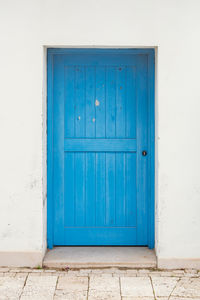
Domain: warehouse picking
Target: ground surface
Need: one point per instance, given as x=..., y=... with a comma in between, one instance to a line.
x=93, y=284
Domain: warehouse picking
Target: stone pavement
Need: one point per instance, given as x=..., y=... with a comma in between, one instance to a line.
x=99, y=284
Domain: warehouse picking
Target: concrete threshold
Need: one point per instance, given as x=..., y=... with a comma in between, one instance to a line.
x=100, y=257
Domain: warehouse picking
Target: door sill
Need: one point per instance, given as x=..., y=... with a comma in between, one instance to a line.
x=100, y=257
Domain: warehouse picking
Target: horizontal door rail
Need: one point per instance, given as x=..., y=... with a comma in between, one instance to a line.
x=100, y=145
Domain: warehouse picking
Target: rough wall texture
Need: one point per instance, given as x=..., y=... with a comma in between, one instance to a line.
x=26, y=27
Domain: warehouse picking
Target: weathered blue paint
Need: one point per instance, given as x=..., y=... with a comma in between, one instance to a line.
x=100, y=119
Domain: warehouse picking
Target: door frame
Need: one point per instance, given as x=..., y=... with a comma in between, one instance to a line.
x=150, y=52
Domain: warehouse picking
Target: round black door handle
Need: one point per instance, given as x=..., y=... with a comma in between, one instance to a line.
x=144, y=153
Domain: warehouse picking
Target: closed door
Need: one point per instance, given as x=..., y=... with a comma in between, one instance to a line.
x=99, y=135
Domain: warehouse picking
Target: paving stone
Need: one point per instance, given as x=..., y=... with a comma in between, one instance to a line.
x=101, y=295
x=65, y=295
x=72, y=284
x=43, y=281
x=136, y=287
x=187, y=287
x=11, y=288
x=100, y=284
x=37, y=293
x=163, y=286
x=39, y=287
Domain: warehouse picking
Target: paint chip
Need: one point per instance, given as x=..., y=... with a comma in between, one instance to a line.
x=93, y=120
x=79, y=117
x=97, y=102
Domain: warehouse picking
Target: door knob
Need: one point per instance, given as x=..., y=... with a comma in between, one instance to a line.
x=144, y=153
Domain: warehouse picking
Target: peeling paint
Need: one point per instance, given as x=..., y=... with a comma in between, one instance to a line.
x=97, y=103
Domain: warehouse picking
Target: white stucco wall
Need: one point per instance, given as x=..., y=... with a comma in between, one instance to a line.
x=26, y=27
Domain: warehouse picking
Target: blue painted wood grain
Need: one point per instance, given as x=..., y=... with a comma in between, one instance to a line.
x=100, y=118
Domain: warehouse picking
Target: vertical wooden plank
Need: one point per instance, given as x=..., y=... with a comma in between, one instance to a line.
x=100, y=189
x=90, y=189
x=120, y=189
x=131, y=103
x=110, y=157
x=121, y=102
x=151, y=144
x=79, y=117
x=50, y=202
x=69, y=101
x=131, y=200
x=110, y=101
x=120, y=133
x=142, y=144
x=100, y=102
x=90, y=101
x=79, y=157
x=69, y=216
x=58, y=146
x=110, y=189
x=90, y=209
x=79, y=204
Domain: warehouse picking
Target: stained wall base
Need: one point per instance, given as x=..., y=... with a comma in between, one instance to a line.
x=21, y=259
x=178, y=263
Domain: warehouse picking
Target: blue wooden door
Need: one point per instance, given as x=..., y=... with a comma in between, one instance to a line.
x=99, y=130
